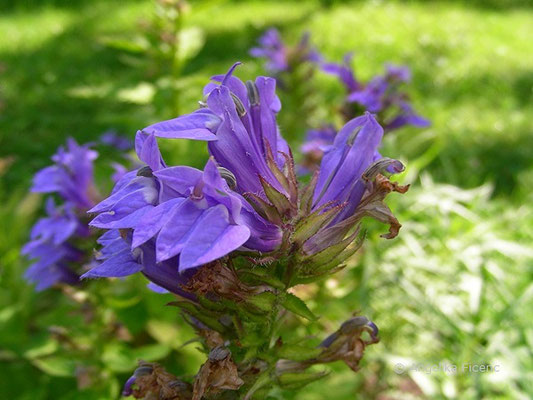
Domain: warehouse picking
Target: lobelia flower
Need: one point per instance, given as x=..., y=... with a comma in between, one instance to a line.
x=349, y=186
x=119, y=171
x=49, y=246
x=280, y=57
x=344, y=72
x=381, y=95
x=317, y=141
x=113, y=139
x=51, y=238
x=381, y=91
x=165, y=221
x=185, y=228
x=71, y=176
x=273, y=49
x=239, y=123
x=343, y=165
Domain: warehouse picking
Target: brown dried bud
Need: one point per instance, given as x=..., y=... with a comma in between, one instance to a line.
x=212, y=338
x=152, y=381
x=218, y=373
x=372, y=204
x=218, y=279
x=347, y=343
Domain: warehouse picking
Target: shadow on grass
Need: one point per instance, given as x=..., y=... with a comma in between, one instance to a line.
x=496, y=5
x=25, y=5
x=496, y=159
x=41, y=110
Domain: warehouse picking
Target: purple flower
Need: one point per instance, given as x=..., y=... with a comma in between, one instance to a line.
x=344, y=72
x=71, y=176
x=397, y=73
x=113, y=139
x=239, y=123
x=178, y=218
x=51, y=238
x=279, y=56
x=342, y=167
x=50, y=248
x=120, y=171
x=406, y=116
x=317, y=141
x=116, y=259
x=272, y=48
x=381, y=95
x=345, y=182
x=371, y=97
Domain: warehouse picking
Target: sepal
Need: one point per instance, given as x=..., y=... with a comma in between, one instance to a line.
x=279, y=200
x=306, y=199
x=311, y=224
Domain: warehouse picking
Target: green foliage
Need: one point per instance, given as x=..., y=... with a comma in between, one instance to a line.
x=454, y=287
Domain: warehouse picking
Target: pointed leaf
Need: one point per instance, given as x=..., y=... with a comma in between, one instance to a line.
x=56, y=366
x=297, y=306
x=264, y=301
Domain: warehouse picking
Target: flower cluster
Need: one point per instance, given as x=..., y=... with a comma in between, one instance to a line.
x=113, y=139
x=382, y=95
x=280, y=57
x=52, y=239
x=166, y=220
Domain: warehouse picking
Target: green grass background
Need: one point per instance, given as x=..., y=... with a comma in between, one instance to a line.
x=455, y=287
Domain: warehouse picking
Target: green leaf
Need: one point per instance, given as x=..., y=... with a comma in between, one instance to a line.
x=199, y=313
x=278, y=199
x=142, y=93
x=296, y=380
x=308, y=191
x=152, y=352
x=191, y=41
x=262, y=381
x=119, y=358
x=264, y=301
x=56, y=366
x=297, y=306
x=265, y=209
x=137, y=45
x=44, y=348
x=297, y=352
x=164, y=332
